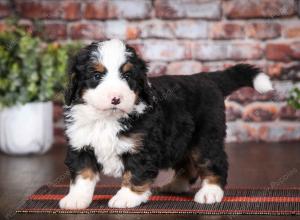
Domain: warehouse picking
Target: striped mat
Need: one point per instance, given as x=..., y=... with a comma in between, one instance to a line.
x=235, y=202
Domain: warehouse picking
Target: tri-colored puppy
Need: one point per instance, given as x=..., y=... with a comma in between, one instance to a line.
x=121, y=123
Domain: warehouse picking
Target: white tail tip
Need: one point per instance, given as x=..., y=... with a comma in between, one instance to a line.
x=262, y=83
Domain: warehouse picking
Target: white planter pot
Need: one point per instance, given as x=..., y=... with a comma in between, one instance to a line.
x=26, y=128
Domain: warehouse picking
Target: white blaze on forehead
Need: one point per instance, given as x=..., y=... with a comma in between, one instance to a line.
x=112, y=54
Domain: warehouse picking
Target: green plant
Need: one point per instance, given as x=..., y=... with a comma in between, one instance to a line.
x=31, y=70
x=294, y=98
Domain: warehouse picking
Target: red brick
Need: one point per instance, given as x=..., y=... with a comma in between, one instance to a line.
x=284, y=71
x=224, y=51
x=263, y=30
x=244, y=51
x=161, y=50
x=157, y=68
x=292, y=30
x=72, y=10
x=184, y=68
x=132, y=32
x=283, y=51
x=188, y=9
x=54, y=31
x=129, y=9
x=289, y=113
x=233, y=111
x=214, y=66
x=49, y=9
x=259, y=8
x=226, y=31
x=280, y=131
x=260, y=112
x=94, y=31
x=156, y=28
x=121, y=29
x=96, y=10
x=248, y=95
x=4, y=9
x=275, y=69
x=266, y=131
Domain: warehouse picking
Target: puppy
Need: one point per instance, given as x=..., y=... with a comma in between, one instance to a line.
x=123, y=124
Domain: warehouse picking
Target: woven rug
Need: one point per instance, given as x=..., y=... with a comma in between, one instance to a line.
x=235, y=202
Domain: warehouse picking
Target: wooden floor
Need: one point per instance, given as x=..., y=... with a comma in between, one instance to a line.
x=251, y=165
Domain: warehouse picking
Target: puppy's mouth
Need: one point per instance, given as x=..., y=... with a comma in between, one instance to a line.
x=115, y=110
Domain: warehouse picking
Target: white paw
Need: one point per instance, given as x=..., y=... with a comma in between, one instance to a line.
x=209, y=193
x=74, y=202
x=125, y=198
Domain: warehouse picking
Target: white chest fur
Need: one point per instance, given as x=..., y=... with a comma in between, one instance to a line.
x=89, y=127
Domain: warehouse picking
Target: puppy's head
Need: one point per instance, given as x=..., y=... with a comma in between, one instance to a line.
x=110, y=77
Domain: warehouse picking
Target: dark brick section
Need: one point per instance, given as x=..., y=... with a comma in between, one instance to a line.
x=54, y=9
x=263, y=30
x=5, y=9
x=289, y=113
x=169, y=9
x=260, y=112
x=283, y=51
x=181, y=37
x=236, y=9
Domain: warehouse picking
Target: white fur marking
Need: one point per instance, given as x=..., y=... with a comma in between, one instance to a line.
x=80, y=194
x=125, y=198
x=209, y=193
x=91, y=127
x=262, y=83
x=140, y=108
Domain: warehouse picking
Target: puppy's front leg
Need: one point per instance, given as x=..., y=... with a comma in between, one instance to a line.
x=81, y=191
x=130, y=195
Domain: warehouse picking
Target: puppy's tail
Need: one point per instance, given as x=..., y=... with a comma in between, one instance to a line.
x=241, y=75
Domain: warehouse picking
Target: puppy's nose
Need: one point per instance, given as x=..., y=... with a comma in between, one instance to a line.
x=115, y=101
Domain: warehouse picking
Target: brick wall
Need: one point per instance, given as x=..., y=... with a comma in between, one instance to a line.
x=186, y=36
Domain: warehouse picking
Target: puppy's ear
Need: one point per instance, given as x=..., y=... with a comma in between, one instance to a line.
x=71, y=89
x=76, y=68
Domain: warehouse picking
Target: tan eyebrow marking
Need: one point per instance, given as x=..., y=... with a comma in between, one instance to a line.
x=99, y=68
x=127, y=67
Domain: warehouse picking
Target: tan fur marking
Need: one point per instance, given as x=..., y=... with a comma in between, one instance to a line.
x=87, y=173
x=137, y=189
x=99, y=68
x=127, y=67
x=213, y=179
x=136, y=138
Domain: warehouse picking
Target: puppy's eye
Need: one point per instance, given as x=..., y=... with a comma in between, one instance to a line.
x=97, y=76
x=126, y=75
